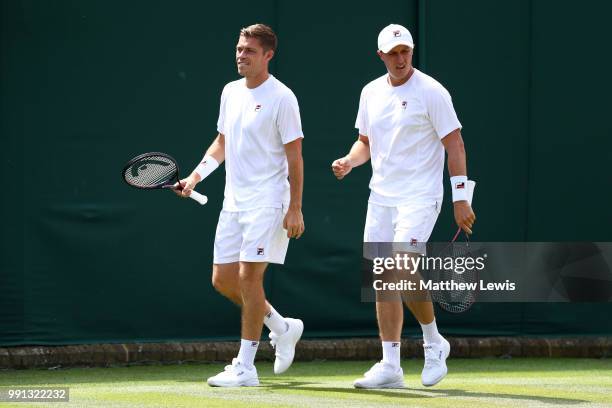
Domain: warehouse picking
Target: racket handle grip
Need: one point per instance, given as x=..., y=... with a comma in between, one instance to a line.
x=200, y=198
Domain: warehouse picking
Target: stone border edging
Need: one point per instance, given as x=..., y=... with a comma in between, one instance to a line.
x=102, y=355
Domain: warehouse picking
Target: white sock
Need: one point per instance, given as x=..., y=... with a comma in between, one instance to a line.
x=275, y=322
x=430, y=333
x=246, y=355
x=391, y=353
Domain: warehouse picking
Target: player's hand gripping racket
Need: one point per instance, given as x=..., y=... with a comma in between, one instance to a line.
x=155, y=170
x=471, y=185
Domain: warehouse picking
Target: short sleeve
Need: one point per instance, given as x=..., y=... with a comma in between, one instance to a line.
x=221, y=120
x=361, y=123
x=441, y=111
x=288, y=119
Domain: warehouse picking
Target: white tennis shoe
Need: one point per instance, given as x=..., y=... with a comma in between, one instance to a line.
x=435, y=362
x=284, y=345
x=235, y=375
x=381, y=375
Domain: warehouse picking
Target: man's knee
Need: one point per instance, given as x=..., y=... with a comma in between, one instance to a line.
x=251, y=274
x=224, y=282
x=218, y=283
x=248, y=279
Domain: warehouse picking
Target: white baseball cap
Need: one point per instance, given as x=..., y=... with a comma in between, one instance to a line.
x=392, y=36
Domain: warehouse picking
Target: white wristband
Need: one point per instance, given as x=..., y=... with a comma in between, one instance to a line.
x=460, y=188
x=206, y=166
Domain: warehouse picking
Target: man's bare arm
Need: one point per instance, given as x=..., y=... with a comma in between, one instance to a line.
x=217, y=151
x=453, y=143
x=294, y=220
x=358, y=155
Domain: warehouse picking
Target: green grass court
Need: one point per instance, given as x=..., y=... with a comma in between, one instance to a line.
x=471, y=383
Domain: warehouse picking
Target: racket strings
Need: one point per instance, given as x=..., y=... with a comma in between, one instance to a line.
x=455, y=300
x=151, y=171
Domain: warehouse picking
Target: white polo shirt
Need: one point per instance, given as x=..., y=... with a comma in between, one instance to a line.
x=405, y=125
x=257, y=123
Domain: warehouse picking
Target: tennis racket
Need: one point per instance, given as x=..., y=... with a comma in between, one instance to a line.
x=457, y=301
x=155, y=170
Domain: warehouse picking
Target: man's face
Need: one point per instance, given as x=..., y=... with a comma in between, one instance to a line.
x=398, y=61
x=250, y=56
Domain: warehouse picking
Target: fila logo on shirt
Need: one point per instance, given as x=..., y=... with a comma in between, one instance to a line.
x=260, y=251
x=404, y=104
x=459, y=185
x=397, y=33
x=257, y=108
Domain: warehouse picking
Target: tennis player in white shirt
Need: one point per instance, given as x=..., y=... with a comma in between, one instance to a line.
x=406, y=120
x=260, y=140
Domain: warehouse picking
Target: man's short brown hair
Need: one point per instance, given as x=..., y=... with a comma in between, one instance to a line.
x=263, y=33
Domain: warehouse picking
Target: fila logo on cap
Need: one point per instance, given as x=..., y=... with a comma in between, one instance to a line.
x=397, y=33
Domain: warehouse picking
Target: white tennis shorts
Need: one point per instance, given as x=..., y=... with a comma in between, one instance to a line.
x=407, y=225
x=251, y=236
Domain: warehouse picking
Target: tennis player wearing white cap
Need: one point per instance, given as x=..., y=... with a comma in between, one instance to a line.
x=406, y=121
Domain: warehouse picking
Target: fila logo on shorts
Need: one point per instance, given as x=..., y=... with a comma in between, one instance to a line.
x=257, y=108
x=397, y=33
x=260, y=251
x=413, y=242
